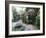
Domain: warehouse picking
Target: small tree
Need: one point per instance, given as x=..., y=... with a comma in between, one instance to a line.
x=16, y=16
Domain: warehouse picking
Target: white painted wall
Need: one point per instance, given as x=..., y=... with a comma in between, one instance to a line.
x=2, y=19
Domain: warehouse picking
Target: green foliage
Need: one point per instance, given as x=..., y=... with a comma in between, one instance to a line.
x=16, y=16
x=37, y=22
x=23, y=18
